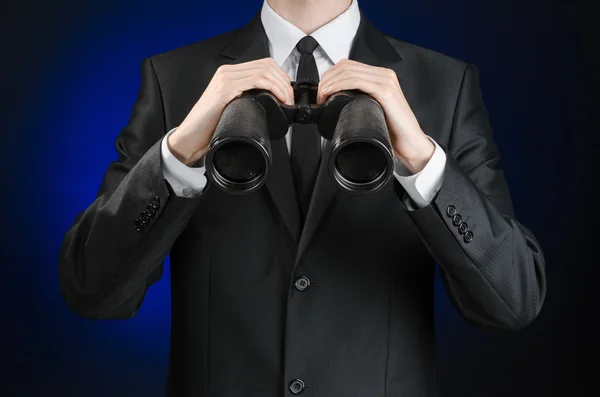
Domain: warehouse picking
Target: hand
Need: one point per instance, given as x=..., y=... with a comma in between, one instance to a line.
x=409, y=143
x=190, y=141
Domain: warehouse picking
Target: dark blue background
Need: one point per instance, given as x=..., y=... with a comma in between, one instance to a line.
x=70, y=74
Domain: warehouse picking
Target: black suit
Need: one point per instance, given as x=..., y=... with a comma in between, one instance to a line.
x=364, y=326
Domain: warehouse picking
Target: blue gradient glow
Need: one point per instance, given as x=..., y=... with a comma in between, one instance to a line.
x=79, y=91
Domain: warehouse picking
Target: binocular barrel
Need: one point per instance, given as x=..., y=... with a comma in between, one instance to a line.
x=360, y=158
x=239, y=154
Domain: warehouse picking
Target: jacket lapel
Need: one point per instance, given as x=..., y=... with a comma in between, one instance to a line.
x=250, y=43
x=370, y=47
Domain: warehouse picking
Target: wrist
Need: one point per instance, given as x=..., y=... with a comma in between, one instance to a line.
x=177, y=146
x=416, y=155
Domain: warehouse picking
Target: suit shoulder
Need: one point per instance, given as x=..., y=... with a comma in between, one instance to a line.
x=428, y=56
x=208, y=48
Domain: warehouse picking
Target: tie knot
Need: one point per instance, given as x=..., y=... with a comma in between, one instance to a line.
x=307, y=45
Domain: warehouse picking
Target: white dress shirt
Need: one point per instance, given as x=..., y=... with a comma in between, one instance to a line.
x=335, y=40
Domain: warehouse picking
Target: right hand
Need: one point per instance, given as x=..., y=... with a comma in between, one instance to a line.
x=191, y=139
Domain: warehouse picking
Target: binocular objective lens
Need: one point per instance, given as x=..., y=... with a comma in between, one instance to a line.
x=239, y=162
x=360, y=162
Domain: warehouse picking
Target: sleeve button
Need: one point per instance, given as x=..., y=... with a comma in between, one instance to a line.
x=138, y=225
x=451, y=211
x=463, y=227
x=468, y=237
x=456, y=219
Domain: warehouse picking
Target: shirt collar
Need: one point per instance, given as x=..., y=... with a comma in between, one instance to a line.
x=335, y=37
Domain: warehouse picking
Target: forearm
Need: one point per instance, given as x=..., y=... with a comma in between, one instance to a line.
x=115, y=246
x=496, y=279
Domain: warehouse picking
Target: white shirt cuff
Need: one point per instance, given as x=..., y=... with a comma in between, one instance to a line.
x=422, y=186
x=185, y=181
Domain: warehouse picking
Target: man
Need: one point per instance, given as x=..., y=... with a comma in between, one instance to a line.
x=272, y=299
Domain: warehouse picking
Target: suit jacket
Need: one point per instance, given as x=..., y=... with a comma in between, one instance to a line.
x=344, y=306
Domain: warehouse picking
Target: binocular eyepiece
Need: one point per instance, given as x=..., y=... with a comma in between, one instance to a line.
x=360, y=158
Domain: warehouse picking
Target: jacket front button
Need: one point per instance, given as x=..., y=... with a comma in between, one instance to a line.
x=302, y=283
x=296, y=386
x=451, y=211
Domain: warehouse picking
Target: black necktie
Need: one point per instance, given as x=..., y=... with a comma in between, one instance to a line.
x=306, y=141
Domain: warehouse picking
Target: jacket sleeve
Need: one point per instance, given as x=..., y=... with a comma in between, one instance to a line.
x=492, y=266
x=115, y=248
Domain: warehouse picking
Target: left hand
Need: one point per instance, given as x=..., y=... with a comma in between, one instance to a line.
x=409, y=143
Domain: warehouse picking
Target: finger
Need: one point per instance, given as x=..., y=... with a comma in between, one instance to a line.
x=349, y=65
x=286, y=81
x=239, y=67
x=237, y=75
x=240, y=74
x=352, y=83
x=254, y=64
x=348, y=74
x=265, y=67
x=332, y=71
x=384, y=79
x=257, y=64
x=319, y=94
x=265, y=83
x=270, y=64
x=285, y=85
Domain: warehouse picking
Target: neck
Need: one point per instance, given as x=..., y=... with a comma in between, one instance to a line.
x=309, y=15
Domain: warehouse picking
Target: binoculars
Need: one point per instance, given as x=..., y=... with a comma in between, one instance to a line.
x=360, y=158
